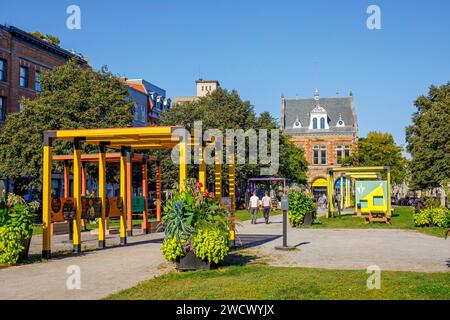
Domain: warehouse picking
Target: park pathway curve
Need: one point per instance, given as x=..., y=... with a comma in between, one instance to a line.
x=106, y=271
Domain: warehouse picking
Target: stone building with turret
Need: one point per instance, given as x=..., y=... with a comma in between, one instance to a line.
x=326, y=128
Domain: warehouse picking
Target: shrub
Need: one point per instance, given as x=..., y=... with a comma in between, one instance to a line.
x=172, y=249
x=440, y=217
x=16, y=225
x=10, y=244
x=299, y=205
x=211, y=244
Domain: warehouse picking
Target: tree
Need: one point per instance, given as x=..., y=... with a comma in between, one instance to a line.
x=223, y=110
x=428, y=139
x=72, y=97
x=379, y=149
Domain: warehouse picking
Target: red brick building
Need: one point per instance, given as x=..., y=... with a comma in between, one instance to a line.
x=22, y=59
x=326, y=128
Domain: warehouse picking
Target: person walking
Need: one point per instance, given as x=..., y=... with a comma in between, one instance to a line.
x=253, y=207
x=266, y=202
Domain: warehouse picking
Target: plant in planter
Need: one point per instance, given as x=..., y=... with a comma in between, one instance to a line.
x=16, y=227
x=301, y=208
x=196, y=229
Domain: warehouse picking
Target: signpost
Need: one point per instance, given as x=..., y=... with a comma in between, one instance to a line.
x=285, y=208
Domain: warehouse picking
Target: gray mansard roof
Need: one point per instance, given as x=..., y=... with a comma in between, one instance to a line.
x=336, y=108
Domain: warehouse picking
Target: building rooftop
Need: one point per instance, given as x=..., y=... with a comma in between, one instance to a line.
x=337, y=109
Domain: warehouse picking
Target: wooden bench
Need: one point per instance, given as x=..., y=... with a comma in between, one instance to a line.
x=378, y=216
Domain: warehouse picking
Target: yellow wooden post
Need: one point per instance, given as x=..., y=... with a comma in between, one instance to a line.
x=46, y=199
x=330, y=193
x=218, y=175
x=202, y=170
x=389, y=205
x=102, y=195
x=183, y=165
x=347, y=192
x=341, y=195
x=232, y=191
x=123, y=196
x=77, y=167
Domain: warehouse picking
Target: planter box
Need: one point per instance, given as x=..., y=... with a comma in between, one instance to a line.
x=191, y=262
x=307, y=220
x=26, y=243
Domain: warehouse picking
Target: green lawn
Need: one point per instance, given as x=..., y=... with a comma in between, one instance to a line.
x=264, y=282
x=401, y=219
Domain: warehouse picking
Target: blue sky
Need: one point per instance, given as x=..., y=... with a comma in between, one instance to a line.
x=263, y=48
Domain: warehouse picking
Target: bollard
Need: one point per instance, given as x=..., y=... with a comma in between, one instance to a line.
x=284, y=209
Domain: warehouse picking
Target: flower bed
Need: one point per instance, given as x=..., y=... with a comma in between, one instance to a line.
x=16, y=227
x=195, y=222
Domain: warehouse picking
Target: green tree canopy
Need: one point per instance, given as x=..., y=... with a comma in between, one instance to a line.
x=72, y=97
x=379, y=149
x=223, y=110
x=428, y=139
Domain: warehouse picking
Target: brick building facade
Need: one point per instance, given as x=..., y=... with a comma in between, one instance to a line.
x=326, y=128
x=22, y=58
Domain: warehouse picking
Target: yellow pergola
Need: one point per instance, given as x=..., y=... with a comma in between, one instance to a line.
x=125, y=140
x=354, y=173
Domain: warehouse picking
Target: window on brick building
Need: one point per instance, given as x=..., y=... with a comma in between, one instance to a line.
x=342, y=152
x=2, y=108
x=3, y=70
x=323, y=155
x=347, y=151
x=37, y=82
x=23, y=77
x=320, y=155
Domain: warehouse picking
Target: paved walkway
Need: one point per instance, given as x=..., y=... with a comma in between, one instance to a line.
x=107, y=271
x=397, y=250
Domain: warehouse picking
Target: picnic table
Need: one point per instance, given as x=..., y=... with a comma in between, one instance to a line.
x=378, y=216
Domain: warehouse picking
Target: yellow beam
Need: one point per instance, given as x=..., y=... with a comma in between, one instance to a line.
x=218, y=177
x=232, y=191
x=202, y=170
x=183, y=166
x=102, y=196
x=115, y=132
x=77, y=196
x=46, y=200
x=389, y=186
x=123, y=196
x=359, y=169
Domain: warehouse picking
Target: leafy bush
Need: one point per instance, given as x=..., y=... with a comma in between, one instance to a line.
x=172, y=249
x=439, y=217
x=10, y=244
x=211, y=245
x=16, y=224
x=193, y=219
x=299, y=205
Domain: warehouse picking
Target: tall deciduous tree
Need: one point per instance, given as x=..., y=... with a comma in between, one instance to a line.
x=428, y=139
x=72, y=97
x=379, y=149
x=223, y=110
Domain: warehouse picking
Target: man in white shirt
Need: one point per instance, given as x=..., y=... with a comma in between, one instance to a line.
x=253, y=207
x=266, y=202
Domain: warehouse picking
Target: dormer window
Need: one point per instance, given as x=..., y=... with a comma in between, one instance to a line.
x=340, y=122
x=314, y=123
x=297, y=124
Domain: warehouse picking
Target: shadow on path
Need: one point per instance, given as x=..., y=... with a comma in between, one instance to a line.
x=253, y=240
